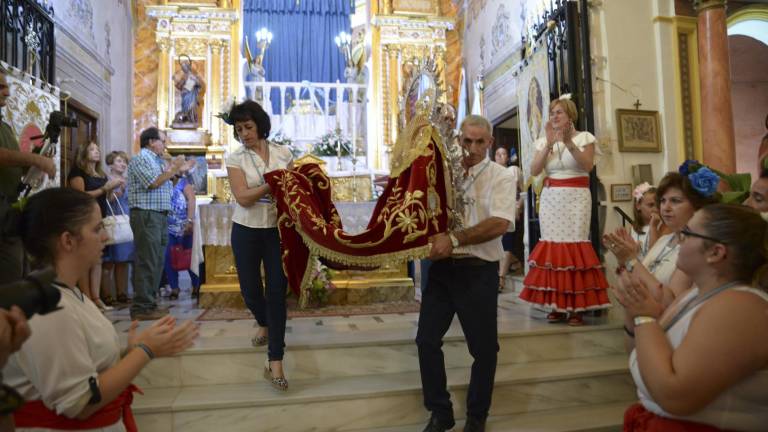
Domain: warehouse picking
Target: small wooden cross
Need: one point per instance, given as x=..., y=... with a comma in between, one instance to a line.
x=637, y=104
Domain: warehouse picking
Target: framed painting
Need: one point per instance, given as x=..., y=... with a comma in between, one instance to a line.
x=638, y=131
x=621, y=192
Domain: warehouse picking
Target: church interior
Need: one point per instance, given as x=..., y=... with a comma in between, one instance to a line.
x=657, y=82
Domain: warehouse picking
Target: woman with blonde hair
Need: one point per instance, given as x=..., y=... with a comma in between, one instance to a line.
x=87, y=176
x=118, y=256
x=565, y=274
x=702, y=363
x=645, y=214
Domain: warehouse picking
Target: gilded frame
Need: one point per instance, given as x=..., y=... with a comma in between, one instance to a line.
x=638, y=131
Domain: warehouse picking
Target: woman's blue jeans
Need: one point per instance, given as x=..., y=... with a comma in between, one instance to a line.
x=252, y=247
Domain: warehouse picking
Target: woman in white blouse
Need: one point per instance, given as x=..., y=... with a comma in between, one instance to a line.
x=255, y=238
x=702, y=363
x=565, y=274
x=677, y=201
x=72, y=371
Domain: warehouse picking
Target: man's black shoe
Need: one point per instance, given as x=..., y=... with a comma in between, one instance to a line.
x=437, y=425
x=474, y=425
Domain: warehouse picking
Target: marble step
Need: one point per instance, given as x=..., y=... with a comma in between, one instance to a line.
x=314, y=355
x=593, y=418
x=379, y=400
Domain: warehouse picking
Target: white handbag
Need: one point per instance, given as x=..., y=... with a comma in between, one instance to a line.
x=118, y=227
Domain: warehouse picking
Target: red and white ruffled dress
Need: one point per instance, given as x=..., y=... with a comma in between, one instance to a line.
x=565, y=273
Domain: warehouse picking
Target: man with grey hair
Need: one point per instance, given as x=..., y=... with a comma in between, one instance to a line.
x=13, y=163
x=463, y=281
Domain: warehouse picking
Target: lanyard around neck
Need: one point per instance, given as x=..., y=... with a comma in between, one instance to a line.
x=699, y=299
x=473, y=177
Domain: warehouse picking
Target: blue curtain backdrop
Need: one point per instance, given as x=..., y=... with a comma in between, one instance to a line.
x=303, y=47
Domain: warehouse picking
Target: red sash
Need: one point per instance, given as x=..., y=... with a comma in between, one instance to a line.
x=639, y=419
x=576, y=182
x=36, y=414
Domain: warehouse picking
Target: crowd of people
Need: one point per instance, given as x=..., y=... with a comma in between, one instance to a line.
x=691, y=276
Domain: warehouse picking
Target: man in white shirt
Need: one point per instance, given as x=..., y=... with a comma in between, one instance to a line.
x=463, y=281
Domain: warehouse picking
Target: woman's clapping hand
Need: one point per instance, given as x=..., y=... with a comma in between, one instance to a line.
x=622, y=245
x=636, y=298
x=164, y=337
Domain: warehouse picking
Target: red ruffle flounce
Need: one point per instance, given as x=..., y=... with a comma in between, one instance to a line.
x=566, y=277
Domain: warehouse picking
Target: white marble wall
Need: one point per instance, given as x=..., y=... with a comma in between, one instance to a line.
x=94, y=61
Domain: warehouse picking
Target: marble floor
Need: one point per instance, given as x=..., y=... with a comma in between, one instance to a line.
x=550, y=377
x=513, y=316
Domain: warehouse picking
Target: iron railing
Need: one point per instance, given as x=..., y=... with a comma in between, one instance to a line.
x=27, y=38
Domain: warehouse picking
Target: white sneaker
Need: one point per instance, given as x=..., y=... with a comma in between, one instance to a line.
x=104, y=308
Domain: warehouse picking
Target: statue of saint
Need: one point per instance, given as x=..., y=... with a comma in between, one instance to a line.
x=192, y=86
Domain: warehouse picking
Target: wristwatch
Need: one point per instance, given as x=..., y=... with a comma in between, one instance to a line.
x=454, y=240
x=640, y=320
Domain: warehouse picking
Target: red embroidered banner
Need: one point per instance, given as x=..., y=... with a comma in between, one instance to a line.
x=413, y=207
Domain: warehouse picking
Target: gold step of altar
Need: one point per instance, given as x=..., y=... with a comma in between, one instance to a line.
x=352, y=287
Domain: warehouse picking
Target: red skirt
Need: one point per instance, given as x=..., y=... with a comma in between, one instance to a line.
x=565, y=277
x=565, y=273
x=639, y=419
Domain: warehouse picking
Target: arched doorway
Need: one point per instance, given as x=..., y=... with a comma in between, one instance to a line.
x=748, y=48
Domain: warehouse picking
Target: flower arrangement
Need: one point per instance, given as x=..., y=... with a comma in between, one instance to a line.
x=320, y=285
x=329, y=145
x=705, y=181
x=281, y=139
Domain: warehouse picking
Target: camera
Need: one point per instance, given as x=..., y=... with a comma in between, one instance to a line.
x=56, y=121
x=35, y=294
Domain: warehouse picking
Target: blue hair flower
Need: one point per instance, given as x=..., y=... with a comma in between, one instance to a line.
x=689, y=166
x=705, y=181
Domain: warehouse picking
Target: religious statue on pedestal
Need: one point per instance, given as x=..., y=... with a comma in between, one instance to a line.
x=192, y=86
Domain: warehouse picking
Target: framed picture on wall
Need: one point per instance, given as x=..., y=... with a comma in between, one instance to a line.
x=638, y=131
x=621, y=192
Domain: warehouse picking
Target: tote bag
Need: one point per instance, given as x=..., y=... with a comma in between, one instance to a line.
x=118, y=227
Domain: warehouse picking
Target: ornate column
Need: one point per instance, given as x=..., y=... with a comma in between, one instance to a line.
x=394, y=95
x=215, y=48
x=718, y=142
x=162, y=84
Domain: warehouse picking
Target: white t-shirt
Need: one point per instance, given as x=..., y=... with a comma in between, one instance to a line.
x=560, y=162
x=66, y=348
x=262, y=214
x=491, y=188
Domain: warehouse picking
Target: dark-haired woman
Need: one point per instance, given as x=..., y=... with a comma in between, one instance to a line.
x=72, y=371
x=702, y=365
x=255, y=238
x=677, y=201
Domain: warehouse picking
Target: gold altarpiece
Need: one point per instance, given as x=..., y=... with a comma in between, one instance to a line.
x=205, y=32
x=405, y=35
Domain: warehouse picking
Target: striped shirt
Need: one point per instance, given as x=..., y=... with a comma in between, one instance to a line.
x=143, y=169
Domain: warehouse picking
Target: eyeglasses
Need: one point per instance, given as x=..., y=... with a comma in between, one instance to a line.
x=686, y=232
